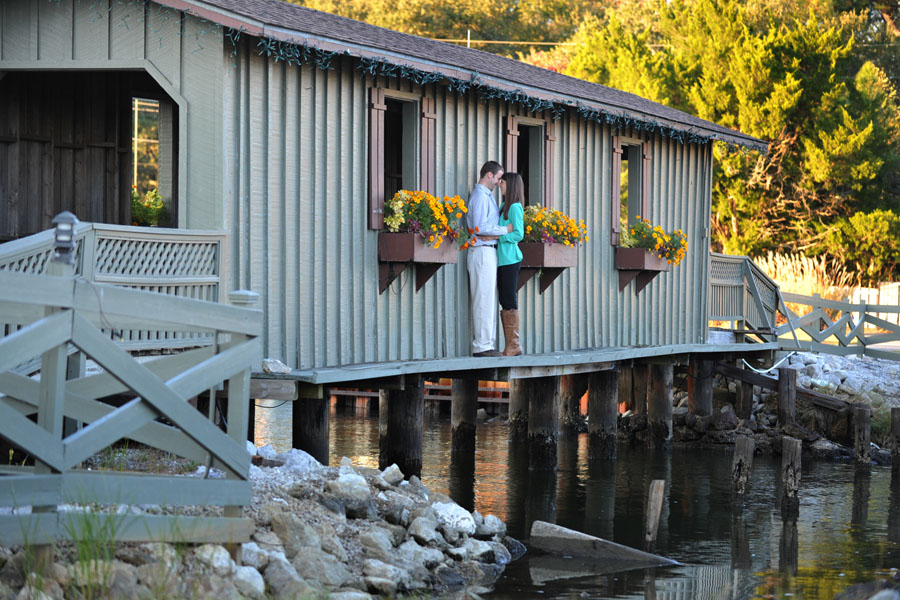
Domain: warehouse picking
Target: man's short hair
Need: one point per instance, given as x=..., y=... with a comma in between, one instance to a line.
x=492, y=167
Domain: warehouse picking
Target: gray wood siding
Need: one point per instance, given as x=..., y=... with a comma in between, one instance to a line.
x=184, y=57
x=296, y=184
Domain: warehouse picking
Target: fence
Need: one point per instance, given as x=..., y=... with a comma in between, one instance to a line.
x=56, y=313
x=175, y=262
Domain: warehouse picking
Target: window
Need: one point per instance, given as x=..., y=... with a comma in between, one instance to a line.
x=401, y=147
x=529, y=152
x=630, y=183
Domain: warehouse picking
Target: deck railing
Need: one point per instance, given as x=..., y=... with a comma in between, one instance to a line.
x=835, y=327
x=740, y=293
x=59, y=311
x=175, y=262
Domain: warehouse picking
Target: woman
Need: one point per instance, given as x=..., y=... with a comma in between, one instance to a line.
x=509, y=259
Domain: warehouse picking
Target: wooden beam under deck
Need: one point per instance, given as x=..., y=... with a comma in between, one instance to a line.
x=386, y=375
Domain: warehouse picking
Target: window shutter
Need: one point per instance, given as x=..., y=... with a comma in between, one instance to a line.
x=510, y=158
x=645, y=180
x=426, y=158
x=376, y=157
x=615, y=192
x=549, y=139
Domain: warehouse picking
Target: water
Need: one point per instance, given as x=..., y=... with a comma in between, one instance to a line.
x=847, y=531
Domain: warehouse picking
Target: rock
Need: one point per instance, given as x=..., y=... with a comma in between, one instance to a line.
x=377, y=572
x=412, y=552
x=453, y=516
x=216, y=558
x=480, y=551
x=516, y=548
x=251, y=449
x=293, y=533
x=273, y=365
x=13, y=570
x=725, y=419
x=823, y=448
x=481, y=415
x=353, y=492
x=162, y=579
x=268, y=541
x=267, y=451
x=490, y=526
x=331, y=543
x=299, y=462
x=252, y=555
x=314, y=565
x=418, y=488
x=424, y=531
x=249, y=582
x=502, y=556
x=457, y=554
x=449, y=577
x=283, y=579
x=377, y=543
x=349, y=595
x=393, y=475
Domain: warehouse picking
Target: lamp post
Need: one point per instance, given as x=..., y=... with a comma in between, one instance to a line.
x=64, y=238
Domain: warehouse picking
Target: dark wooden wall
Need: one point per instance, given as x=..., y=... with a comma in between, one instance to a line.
x=65, y=144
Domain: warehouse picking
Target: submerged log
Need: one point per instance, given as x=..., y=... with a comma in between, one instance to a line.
x=557, y=540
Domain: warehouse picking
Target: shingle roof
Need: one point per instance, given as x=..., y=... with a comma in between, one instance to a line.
x=289, y=22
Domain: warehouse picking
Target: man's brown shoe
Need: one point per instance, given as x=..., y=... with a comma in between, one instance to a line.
x=487, y=353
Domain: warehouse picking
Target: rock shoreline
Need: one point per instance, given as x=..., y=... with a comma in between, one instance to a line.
x=346, y=533
x=825, y=434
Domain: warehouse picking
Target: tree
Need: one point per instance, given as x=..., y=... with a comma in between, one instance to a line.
x=797, y=79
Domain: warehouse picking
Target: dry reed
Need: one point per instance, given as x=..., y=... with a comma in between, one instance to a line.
x=807, y=275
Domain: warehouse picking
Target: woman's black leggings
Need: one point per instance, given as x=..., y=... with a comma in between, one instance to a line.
x=507, y=283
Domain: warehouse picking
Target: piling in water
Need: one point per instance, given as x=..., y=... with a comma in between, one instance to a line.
x=654, y=510
x=603, y=404
x=518, y=409
x=787, y=396
x=543, y=420
x=790, y=474
x=659, y=404
x=400, y=441
x=571, y=389
x=862, y=434
x=700, y=386
x=463, y=413
x=742, y=463
x=310, y=425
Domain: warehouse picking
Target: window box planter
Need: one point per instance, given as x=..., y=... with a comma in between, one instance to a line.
x=639, y=264
x=397, y=251
x=548, y=259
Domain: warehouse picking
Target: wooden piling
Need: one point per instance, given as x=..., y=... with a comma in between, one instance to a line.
x=654, y=510
x=862, y=434
x=859, y=512
x=626, y=392
x=640, y=380
x=463, y=412
x=518, y=409
x=700, y=386
x=659, y=404
x=789, y=547
x=787, y=396
x=543, y=420
x=742, y=463
x=895, y=439
x=603, y=413
x=744, y=401
x=791, y=450
x=401, y=440
x=310, y=423
x=571, y=389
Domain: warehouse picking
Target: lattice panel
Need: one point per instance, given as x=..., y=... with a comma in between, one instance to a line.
x=36, y=262
x=726, y=272
x=152, y=258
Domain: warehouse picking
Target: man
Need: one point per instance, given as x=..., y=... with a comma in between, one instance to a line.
x=482, y=220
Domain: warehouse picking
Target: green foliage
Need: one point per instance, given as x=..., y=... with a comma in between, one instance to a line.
x=869, y=243
x=527, y=20
x=150, y=211
x=807, y=76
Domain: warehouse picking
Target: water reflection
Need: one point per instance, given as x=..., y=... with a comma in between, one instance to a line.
x=846, y=531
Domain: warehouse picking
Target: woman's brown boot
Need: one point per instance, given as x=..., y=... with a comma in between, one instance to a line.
x=510, y=320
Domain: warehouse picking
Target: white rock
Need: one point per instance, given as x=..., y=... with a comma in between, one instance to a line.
x=273, y=365
x=216, y=557
x=300, y=463
x=249, y=582
x=393, y=475
x=251, y=449
x=267, y=451
x=254, y=556
x=454, y=516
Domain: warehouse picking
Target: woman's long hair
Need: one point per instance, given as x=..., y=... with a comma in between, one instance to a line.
x=515, y=192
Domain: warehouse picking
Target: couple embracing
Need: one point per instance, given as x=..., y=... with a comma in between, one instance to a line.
x=494, y=258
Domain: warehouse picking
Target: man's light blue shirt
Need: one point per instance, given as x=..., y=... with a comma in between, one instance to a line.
x=483, y=215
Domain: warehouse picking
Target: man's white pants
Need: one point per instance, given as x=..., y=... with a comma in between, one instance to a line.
x=482, y=266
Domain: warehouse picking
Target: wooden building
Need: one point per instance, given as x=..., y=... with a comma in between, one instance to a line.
x=287, y=128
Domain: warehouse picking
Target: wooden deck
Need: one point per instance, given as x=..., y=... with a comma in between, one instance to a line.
x=506, y=368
